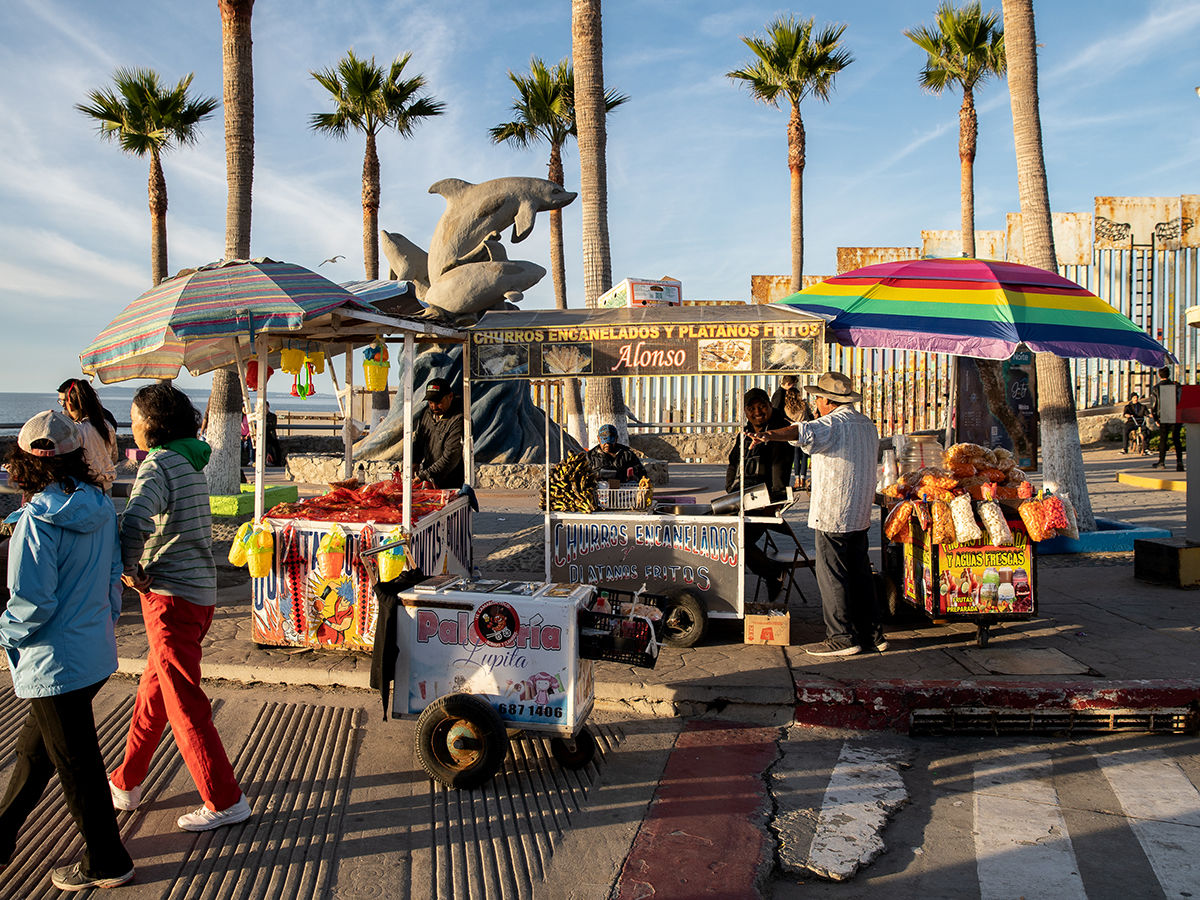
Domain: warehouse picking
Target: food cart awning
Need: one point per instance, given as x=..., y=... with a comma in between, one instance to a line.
x=648, y=340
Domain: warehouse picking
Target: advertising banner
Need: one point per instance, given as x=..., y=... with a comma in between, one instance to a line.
x=699, y=554
x=676, y=341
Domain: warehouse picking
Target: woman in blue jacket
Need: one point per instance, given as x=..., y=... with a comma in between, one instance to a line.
x=64, y=575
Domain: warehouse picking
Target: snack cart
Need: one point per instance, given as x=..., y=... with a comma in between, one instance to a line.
x=958, y=538
x=690, y=554
x=476, y=658
x=311, y=582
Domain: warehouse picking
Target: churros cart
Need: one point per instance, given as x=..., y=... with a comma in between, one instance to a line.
x=691, y=554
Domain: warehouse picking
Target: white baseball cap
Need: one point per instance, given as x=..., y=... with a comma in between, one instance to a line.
x=53, y=427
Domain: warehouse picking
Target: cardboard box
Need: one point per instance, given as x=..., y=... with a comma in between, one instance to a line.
x=768, y=626
x=643, y=292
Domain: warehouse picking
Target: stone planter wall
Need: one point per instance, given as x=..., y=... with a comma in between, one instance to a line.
x=710, y=447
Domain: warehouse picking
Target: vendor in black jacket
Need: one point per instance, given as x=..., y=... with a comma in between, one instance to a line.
x=768, y=464
x=609, y=455
x=438, y=437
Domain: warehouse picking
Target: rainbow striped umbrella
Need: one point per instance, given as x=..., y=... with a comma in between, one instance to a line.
x=194, y=318
x=981, y=308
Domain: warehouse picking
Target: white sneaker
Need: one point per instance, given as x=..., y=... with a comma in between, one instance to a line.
x=205, y=819
x=125, y=800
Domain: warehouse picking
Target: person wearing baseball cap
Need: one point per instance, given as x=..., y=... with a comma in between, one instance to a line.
x=610, y=455
x=844, y=445
x=438, y=437
x=64, y=575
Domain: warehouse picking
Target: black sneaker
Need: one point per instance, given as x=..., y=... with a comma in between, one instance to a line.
x=830, y=648
x=71, y=878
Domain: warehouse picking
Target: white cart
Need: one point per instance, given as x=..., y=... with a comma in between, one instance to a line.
x=477, y=658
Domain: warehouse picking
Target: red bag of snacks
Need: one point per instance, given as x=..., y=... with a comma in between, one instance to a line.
x=1025, y=490
x=1032, y=516
x=1053, y=514
x=921, y=514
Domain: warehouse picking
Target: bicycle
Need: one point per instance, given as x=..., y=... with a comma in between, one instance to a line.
x=1138, y=440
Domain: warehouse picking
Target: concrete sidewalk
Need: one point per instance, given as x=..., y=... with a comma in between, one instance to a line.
x=1100, y=640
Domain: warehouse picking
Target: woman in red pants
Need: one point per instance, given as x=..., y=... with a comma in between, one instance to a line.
x=166, y=547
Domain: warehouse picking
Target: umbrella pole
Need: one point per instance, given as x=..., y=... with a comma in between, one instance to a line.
x=347, y=410
x=241, y=367
x=951, y=401
x=406, y=392
x=468, y=435
x=260, y=431
x=337, y=390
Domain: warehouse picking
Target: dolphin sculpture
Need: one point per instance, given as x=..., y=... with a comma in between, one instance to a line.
x=406, y=261
x=478, y=213
x=467, y=290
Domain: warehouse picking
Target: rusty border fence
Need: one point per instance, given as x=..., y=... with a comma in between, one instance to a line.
x=905, y=391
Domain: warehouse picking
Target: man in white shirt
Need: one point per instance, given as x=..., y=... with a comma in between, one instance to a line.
x=844, y=445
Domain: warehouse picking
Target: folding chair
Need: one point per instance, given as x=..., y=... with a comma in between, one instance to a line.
x=784, y=549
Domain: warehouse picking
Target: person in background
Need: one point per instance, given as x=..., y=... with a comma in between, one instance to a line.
x=97, y=427
x=1172, y=430
x=844, y=444
x=1135, y=413
x=767, y=464
x=438, y=438
x=790, y=401
x=166, y=550
x=609, y=454
x=64, y=575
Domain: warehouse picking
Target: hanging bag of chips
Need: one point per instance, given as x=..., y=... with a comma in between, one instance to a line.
x=965, y=527
x=898, y=525
x=943, y=522
x=260, y=550
x=992, y=516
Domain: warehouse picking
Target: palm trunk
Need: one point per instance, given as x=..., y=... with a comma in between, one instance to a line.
x=236, y=50
x=370, y=209
x=1061, y=452
x=380, y=400
x=572, y=397
x=796, y=142
x=158, y=220
x=604, y=401
x=225, y=419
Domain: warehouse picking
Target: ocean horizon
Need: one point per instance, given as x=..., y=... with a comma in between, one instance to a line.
x=17, y=407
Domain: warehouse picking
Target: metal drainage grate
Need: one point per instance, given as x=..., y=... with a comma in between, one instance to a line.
x=984, y=720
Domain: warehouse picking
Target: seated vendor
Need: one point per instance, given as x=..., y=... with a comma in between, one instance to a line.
x=438, y=437
x=611, y=456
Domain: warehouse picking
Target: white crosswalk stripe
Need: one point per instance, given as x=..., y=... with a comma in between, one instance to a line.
x=1022, y=848
x=1163, y=807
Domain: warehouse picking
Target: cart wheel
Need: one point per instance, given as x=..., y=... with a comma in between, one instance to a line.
x=982, y=634
x=576, y=752
x=461, y=740
x=684, y=620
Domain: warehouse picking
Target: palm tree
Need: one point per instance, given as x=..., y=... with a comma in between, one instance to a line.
x=964, y=48
x=545, y=111
x=146, y=118
x=370, y=100
x=793, y=63
x=1062, y=455
x=605, y=402
x=225, y=404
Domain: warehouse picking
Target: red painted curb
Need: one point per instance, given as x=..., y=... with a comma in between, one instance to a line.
x=704, y=834
x=888, y=705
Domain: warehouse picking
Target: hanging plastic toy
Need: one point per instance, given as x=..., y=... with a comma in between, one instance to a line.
x=317, y=359
x=302, y=384
x=291, y=359
x=375, y=365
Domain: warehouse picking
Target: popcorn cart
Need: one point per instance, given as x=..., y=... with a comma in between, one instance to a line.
x=479, y=657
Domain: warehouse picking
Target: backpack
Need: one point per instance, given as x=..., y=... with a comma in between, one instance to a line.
x=794, y=405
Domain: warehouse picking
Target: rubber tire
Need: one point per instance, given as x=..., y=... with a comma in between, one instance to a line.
x=982, y=634
x=895, y=609
x=694, y=625
x=574, y=753
x=456, y=716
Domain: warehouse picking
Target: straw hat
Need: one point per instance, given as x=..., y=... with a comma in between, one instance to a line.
x=834, y=386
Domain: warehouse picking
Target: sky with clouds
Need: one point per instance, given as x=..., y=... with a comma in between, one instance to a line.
x=698, y=180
